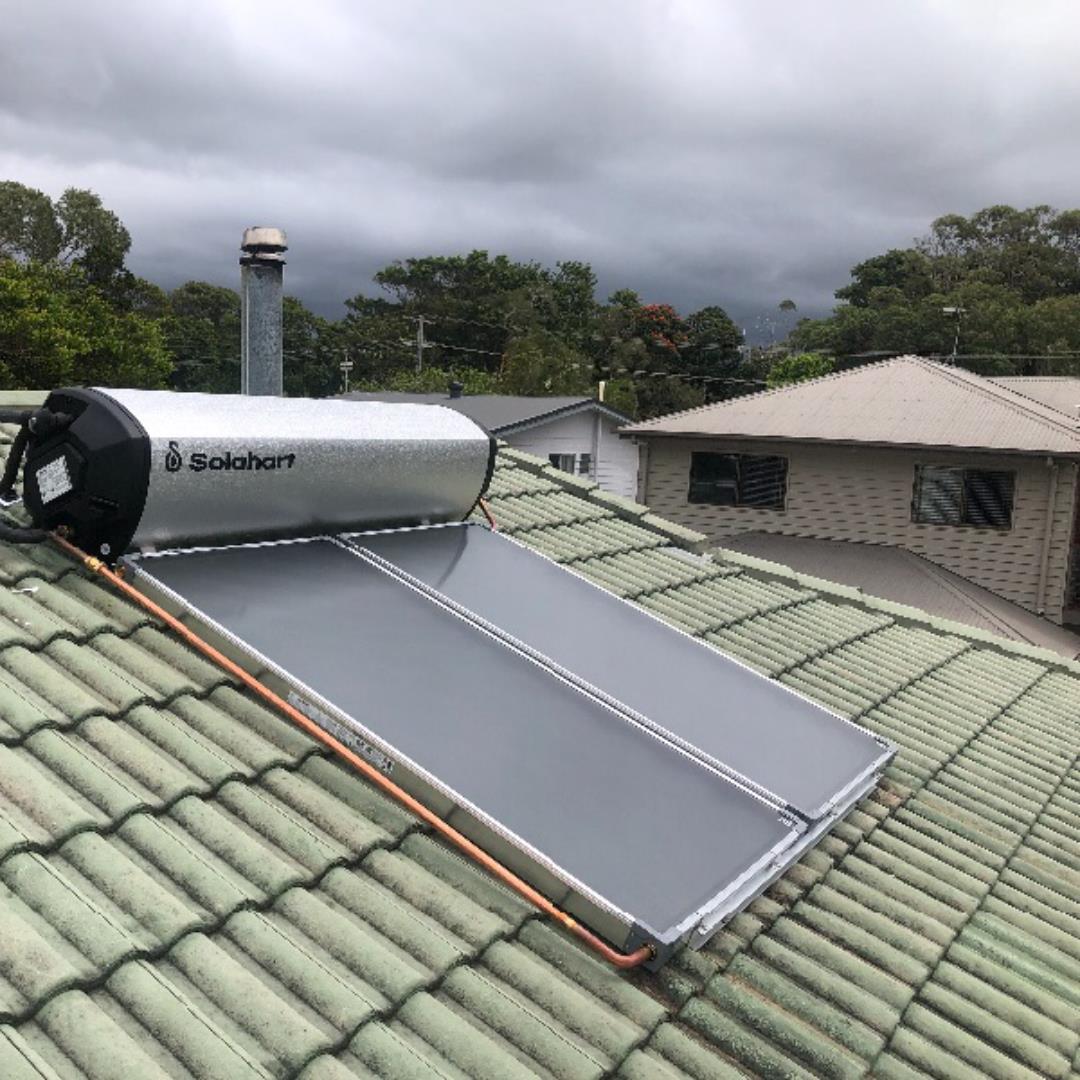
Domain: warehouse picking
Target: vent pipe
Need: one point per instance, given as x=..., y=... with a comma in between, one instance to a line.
x=261, y=281
x=457, y=389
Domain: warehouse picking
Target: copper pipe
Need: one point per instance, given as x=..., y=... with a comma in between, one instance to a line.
x=459, y=840
x=482, y=502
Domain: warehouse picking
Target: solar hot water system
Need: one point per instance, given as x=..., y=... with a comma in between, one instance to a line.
x=628, y=779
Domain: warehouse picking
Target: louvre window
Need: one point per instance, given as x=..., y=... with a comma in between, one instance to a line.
x=584, y=464
x=565, y=462
x=758, y=480
x=945, y=495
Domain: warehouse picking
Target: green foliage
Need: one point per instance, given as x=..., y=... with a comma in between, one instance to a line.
x=1015, y=273
x=436, y=381
x=202, y=331
x=57, y=328
x=76, y=230
x=540, y=363
x=798, y=368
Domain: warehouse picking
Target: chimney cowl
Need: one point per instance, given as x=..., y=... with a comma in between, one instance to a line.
x=457, y=389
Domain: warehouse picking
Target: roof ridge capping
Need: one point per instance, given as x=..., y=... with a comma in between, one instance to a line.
x=1011, y=399
x=786, y=388
x=1046, y=419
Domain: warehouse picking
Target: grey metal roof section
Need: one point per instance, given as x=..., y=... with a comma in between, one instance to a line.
x=631, y=824
x=896, y=574
x=1061, y=392
x=499, y=413
x=906, y=401
x=729, y=715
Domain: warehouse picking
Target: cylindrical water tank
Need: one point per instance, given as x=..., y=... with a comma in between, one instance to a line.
x=146, y=469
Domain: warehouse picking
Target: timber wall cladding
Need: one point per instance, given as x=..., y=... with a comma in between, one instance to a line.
x=864, y=495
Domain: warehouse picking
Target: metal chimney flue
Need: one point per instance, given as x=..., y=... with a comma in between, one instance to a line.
x=261, y=283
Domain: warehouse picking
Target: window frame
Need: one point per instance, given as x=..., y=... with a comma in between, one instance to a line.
x=963, y=470
x=557, y=464
x=739, y=457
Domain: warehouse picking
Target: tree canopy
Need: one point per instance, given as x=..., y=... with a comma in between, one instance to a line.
x=1007, y=279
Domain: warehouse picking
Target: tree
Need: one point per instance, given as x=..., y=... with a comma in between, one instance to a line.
x=56, y=329
x=76, y=230
x=202, y=332
x=1013, y=272
x=797, y=368
x=540, y=363
x=311, y=357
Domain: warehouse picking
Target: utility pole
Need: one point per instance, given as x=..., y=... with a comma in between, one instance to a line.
x=419, y=343
x=346, y=366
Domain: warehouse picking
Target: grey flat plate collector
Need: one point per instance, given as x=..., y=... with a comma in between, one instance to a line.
x=795, y=750
x=659, y=839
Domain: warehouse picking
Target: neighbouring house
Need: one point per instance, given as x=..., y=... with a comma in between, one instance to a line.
x=966, y=471
x=576, y=434
x=194, y=888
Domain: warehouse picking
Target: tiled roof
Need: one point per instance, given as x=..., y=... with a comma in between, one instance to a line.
x=192, y=888
x=906, y=401
x=898, y=574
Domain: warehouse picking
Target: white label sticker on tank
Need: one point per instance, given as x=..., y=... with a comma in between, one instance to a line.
x=53, y=480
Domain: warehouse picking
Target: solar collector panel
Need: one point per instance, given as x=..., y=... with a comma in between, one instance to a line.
x=610, y=807
x=779, y=741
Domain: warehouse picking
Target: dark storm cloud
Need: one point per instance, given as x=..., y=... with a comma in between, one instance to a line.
x=699, y=152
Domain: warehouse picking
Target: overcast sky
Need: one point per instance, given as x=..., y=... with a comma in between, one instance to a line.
x=701, y=152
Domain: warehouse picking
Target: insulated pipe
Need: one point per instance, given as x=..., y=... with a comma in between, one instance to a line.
x=507, y=877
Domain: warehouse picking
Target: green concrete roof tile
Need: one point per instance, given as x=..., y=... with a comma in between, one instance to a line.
x=519, y=1022
x=1041, y=1043
x=754, y=1051
x=18, y=561
x=352, y=938
x=80, y=1040
x=392, y=1051
x=476, y=1051
x=966, y=1046
x=90, y=605
x=449, y=890
x=242, y=726
x=684, y=1050
x=157, y=801
x=44, y=683
x=167, y=850
x=249, y=1005
x=37, y=808
x=424, y=942
x=108, y=871
x=59, y=607
x=540, y=986
x=19, y=1061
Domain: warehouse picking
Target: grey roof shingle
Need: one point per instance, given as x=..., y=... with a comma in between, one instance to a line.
x=190, y=887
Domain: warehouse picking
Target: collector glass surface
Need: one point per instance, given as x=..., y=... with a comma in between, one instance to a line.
x=787, y=744
x=651, y=831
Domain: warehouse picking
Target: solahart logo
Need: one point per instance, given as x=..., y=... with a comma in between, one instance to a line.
x=173, y=461
x=226, y=461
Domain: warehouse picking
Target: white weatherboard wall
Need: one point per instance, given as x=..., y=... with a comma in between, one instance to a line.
x=864, y=494
x=614, y=460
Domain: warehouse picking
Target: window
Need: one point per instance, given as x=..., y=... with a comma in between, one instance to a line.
x=738, y=480
x=945, y=495
x=562, y=461
x=584, y=464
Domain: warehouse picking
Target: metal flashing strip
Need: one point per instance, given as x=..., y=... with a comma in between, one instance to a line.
x=486, y=733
